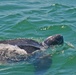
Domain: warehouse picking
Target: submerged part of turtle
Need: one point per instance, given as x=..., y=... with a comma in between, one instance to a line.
x=40, y=59
x=31, y=45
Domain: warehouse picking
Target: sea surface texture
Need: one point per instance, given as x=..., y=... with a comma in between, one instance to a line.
x=38, y=19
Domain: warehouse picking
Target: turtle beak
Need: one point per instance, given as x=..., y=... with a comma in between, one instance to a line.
x=54, y=40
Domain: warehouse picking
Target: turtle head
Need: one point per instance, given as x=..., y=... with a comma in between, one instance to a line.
x=54, y=40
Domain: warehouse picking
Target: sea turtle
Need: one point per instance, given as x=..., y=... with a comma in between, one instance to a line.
x=29, y=50
x=30, y=45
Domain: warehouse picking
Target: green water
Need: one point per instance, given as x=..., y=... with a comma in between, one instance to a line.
x=38, y=19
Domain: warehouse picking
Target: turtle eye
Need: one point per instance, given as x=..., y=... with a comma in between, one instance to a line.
x=59, y=41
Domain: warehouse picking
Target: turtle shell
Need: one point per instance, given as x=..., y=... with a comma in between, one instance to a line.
x=27, y=44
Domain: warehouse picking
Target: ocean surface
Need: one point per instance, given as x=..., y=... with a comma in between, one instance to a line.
x=38, y=19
